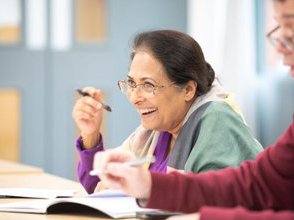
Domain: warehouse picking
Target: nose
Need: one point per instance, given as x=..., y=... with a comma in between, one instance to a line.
x=282, y=49
x=286, y=32
x=284, y=43
x=135, y=95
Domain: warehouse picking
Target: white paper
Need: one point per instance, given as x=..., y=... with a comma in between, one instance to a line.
x=36, y=193
x=108, y=193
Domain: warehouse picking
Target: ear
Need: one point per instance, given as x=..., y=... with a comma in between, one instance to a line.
x=190, y=90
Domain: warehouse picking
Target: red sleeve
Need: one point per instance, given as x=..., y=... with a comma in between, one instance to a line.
x=210, y=213
x=266, y=183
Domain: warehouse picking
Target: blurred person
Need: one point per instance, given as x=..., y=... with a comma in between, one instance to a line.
x=258, y=189
x=188, y=121
x=282, y=35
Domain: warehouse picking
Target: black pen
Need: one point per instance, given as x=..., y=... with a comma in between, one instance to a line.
x=106, y=107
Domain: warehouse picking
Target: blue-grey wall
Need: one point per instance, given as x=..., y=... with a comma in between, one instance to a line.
x=48, y=79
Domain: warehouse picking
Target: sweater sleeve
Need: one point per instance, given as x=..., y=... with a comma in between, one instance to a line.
x=210, y=213
x=85, y=164
x=266, y=183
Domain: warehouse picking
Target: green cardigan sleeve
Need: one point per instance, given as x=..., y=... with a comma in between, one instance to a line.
x=224, y=140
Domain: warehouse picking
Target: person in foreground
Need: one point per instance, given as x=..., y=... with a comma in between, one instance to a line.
x=258, y=189
x=188, y=121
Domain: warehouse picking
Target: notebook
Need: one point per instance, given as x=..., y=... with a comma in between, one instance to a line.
x=112, y=203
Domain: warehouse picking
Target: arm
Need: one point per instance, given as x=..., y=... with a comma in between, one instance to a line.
x=86, y=157
x=267, y=183
x=211, y=213
x=87, y=113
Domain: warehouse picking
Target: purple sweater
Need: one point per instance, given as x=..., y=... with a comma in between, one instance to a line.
x=86, y=160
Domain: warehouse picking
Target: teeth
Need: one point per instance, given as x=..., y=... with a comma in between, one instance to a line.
x=146, y=110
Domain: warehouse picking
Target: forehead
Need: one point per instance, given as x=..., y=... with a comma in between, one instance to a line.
x=284, y=11
x=145, y=65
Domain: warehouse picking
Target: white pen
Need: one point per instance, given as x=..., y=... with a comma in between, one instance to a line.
x=132, y=163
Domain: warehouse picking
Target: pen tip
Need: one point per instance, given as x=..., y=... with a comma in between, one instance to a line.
x=108, y=108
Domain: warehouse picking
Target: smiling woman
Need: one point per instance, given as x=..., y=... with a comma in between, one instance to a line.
x=188, y=121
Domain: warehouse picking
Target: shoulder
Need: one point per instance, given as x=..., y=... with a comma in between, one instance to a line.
x=215, y=112
x=221, y=108
x=213, y=118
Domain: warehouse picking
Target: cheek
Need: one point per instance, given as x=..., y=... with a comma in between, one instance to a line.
x=170, y=105
x=289, y=59
x=171, y=109
x=165, y=109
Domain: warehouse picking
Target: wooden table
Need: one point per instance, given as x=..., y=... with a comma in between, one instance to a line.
x=25, y=216
x=37, y=179
x=9, y=167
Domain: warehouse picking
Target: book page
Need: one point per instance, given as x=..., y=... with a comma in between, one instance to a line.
x=32, y=206
x=36, y=193
x=108, y=193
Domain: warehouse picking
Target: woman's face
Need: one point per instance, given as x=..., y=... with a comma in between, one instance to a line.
x=166, y=108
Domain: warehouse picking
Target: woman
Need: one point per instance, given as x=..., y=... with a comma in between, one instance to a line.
x=188, y=122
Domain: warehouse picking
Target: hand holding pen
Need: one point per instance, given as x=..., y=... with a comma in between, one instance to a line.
x=88, y=115
x=106, y=107
x=120, y=169
x=132, y=163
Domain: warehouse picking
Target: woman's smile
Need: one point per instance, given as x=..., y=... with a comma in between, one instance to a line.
x=147, y=112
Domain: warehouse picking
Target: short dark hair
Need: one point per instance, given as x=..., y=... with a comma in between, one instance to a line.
x=180, y=55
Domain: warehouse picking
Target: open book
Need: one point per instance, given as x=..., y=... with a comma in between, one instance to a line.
x=112, y=203
x=36, y=193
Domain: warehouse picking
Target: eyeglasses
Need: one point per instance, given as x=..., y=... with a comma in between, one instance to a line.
x=148, y=89
x=277, y=40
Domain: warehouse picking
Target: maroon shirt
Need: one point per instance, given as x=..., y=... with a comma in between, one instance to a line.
x=264, y=186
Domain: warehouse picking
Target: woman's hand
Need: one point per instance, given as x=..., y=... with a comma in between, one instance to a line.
x=87, y=113
x=136, y=181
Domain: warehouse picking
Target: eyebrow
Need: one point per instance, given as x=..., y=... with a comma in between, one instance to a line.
x=143, y=79
x=285, y=16
x=288, y=16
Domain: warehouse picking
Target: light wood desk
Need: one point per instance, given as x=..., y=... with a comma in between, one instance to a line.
x=39, y=180
x=25, y=216
x=9, y=167
x=42, y=180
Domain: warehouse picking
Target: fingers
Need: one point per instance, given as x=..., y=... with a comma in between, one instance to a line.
x=103, y=162
x=136, y=181
x=113, y=182
x=94, y=93
x=86, y=108
x=102, y=159
x=120, y=171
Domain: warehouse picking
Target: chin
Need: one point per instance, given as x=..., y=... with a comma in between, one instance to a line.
x=148, y=127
